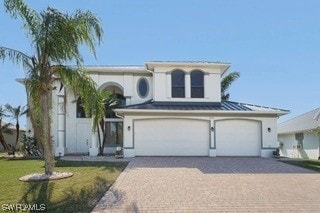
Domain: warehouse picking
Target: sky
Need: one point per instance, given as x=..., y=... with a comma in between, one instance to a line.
x=274, y=44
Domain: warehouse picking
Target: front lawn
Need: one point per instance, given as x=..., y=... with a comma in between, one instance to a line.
x=305, y=163
x=79, y=193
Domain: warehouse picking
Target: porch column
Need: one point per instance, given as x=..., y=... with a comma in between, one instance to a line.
x=61, y=134
x=93, y=149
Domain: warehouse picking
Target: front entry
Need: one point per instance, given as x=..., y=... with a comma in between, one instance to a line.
x=114, y=133
x=83, y=139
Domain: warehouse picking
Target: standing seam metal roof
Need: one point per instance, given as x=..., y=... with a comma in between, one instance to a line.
x=225, y=106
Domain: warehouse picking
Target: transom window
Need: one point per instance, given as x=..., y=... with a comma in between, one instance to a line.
x=178, y=89
x=197, y=84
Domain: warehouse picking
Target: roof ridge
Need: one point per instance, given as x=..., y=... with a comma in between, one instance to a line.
x=301, y=115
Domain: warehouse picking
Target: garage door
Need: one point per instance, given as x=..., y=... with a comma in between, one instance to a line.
x=171, y=137
x=238, y=138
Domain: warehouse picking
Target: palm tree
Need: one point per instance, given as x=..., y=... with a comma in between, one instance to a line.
x=110, y=102
x=225, y=84
x=16, y=113
x=4, y=128
x=55, y=38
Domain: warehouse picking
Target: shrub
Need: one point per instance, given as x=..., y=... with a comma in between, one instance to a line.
x=30, y=146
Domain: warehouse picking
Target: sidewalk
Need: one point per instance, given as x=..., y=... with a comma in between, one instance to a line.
x=98, y=158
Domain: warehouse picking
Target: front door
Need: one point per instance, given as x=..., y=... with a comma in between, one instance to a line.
x=114, y=133
x=83, y=136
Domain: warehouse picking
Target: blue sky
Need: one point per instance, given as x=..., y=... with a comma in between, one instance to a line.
x=274, y=44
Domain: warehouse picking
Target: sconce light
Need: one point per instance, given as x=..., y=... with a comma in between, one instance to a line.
x=269, y=129
x=129, y=127
x=212, y=129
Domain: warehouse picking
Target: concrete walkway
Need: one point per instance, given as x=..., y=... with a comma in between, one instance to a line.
x=99, y=158
x=221, y=184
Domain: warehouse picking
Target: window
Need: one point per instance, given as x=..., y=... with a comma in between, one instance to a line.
x=114, y=134
x=197, y=82
x=299, y=138
x=178, y=90
x=80, y=110
x=143, y=87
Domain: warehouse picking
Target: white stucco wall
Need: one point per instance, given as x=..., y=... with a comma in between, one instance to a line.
x=311, y=143
x=162, y=85
x=127, y=82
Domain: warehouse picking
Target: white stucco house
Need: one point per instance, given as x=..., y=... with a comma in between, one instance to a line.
x=298, y=137
x=169, y=109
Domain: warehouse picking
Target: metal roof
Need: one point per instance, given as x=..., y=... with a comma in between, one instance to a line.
x=305, y=122
x=203, y=106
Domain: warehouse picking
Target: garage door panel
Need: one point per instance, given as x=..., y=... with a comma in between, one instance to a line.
x=171, y=137
x=238, y=138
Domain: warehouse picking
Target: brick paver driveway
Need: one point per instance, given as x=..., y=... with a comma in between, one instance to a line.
x=221, y=184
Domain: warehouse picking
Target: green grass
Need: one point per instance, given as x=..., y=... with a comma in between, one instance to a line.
x=305, y=163
x=79, y=193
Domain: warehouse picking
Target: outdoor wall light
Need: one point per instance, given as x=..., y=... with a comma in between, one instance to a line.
x=129, y=127
x=269, y=129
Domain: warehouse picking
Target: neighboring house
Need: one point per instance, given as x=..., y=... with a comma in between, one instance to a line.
x=298, y=138
x=169, y=109
x=11, y=138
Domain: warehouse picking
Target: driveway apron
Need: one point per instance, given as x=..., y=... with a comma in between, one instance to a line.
x=217, y=184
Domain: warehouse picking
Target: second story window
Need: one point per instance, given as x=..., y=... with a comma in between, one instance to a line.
x=177, y=90
x=197, y=84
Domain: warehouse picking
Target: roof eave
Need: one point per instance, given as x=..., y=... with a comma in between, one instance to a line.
x=130, y=111
x=223, y=66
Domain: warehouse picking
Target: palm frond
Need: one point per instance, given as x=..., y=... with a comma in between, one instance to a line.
x=16, y=57
x=79, y=81
x=226, y=82
x=80, y=28
x=30, y=18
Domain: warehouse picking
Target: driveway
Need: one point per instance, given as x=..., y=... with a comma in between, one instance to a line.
x=221, y=184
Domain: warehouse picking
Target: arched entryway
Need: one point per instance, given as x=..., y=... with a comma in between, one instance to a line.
x=113, y=129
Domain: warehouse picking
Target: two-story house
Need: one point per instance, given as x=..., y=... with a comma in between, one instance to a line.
x=169, y=109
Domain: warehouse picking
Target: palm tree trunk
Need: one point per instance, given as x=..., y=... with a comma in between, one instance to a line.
x=17, y=136
x=3, y=142
x=46, y=132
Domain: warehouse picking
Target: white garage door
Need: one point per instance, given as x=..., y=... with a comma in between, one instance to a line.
x=171, y=137
x=238, y=138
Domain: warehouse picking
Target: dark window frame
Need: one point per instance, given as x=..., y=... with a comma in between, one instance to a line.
x=178, y=88
x=197, y=84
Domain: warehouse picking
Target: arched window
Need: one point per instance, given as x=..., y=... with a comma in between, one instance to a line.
x=197, y=84
x=177, y=82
